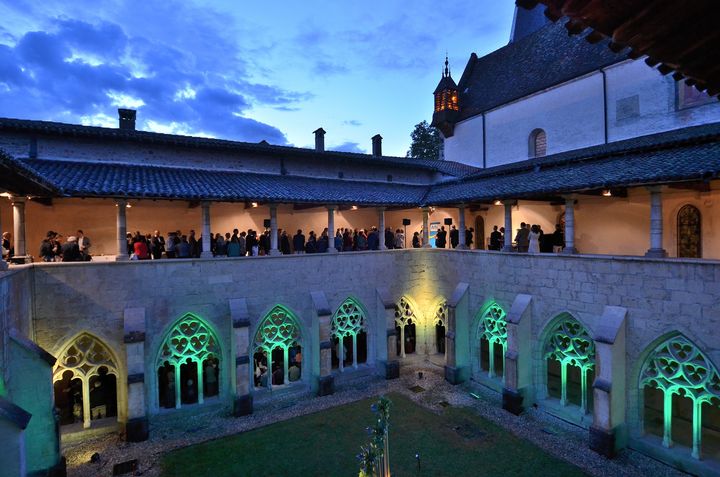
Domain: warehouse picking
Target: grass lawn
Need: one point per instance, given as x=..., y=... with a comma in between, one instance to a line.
x=455, y=443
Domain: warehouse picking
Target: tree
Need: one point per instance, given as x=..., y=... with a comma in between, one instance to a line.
x=426, y=142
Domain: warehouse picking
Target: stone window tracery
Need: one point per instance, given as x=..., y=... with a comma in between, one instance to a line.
x=85, y=381
x=349, y=321
x=188, y=363
x=570, y=344
x=440, y=322
x=278, y=337
x=678, y=367
x=405, y=321
x=493, y=329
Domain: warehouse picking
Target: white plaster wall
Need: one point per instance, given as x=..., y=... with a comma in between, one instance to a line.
x=466, y=144
x=571, y=115
x=657, y=99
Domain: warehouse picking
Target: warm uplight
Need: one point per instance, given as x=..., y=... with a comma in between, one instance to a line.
x=607, y=193
x=354, y=207
x=497, y=202
x=128, y=206
x=254, y=204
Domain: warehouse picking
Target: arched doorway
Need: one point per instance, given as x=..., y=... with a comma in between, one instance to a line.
x=405, y=327
x=85, y=382
x=479, y=237
x=188, y=364
x=349, y=334
x=570, y=357
x=689, y=232
x=277, y=349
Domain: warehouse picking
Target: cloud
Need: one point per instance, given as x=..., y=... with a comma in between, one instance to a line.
x=75, y=69
x=348, y=147
x=352, y=122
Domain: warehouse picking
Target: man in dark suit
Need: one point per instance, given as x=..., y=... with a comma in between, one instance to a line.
x=454, y=237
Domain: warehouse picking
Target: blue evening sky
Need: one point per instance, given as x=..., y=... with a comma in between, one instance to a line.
x=244, y=70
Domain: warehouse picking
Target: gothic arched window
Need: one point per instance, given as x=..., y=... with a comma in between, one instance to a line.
x=492, y=337
x=538, y=143
x=440, y=322
x=349, y=333
x=277, y=348
x=689, y=232
x=85, y=381
x=188, y=364
x=570, y=347
x=679, y=373
x=405, y=323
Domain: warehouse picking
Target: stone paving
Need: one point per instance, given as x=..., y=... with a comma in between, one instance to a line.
x=556, y=437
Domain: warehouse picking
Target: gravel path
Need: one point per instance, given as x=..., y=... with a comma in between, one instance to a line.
x=556, y=437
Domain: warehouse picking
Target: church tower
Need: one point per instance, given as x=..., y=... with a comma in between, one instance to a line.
x=446, y=103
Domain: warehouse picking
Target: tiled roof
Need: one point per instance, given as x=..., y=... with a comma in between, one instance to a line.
x=104, y=179
x=681, y=155
x=545, y=58
x=262, y=148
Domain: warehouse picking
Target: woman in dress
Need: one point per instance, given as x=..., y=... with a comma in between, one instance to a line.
x=534, y=236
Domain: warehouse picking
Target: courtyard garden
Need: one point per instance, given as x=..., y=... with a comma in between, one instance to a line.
x=454, y=442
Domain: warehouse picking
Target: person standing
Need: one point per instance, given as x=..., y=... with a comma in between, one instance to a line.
x=284, y=243
x=454, y=237
x=496, y=239
x=523, y=238
x=7, y=250
x=157, y=245
x=558, y=239
x=372, y=239
x=389, y=238
x=83, y=244
x=416, y=240
x=299, y=242
x=70, y=250
x=534, y=239
x=441, y=238
x=469, y=237
x=399, y=239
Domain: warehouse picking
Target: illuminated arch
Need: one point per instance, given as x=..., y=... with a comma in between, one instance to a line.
x=492, y=327
x=440, y=315
x=279, y=328
x=349, y=320
x=678, y=366
x=568, y=342
x=85, y=357
x=191, y=340
x=405, y=315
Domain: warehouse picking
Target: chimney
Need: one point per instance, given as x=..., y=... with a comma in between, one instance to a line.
x=319, y=139
x=377, y=145
x=126, y=118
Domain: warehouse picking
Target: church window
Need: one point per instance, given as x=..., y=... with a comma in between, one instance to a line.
x=689, y=228
x=188, y=364
x=349, y=335
x=277, y=349
x=538, y=143
x=681, y=391
x=440, y=321
x=492, y=337
x=405, y=327
x=570, y=356
x=85, y=382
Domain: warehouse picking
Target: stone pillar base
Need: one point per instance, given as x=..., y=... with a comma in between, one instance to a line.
x=137, y=429
x=326, y=385
x=512, y=401
x=602, y=442
x=462, y=247
x=569, y=250
x=274, y=253
x=21, y=259
x=507, y=248
x=122, y=258
x=243, y=405
x=332, y=249
x=206, y=255
x=656, y=253
x=392, y=370
x=454, y=375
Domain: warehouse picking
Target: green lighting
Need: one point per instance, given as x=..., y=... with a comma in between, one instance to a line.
x=677, y=366
x=493, y=329
x=348, y=320
x=278, y=329
x=189, y=340
x=571, y=345
x=3, y=391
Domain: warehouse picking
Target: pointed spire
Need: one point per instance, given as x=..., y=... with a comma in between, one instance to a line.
x=447, y=68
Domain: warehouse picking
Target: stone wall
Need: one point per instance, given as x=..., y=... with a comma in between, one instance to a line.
x=15, y=312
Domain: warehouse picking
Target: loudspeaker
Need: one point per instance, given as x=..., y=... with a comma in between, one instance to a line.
x=406, y=221
x=266, y=223
x=448, y=221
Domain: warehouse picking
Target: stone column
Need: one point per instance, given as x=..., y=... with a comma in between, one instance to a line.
x=461, y=228
x=569, y=225
x=240, y=318
x=426, y=229
x=331, y=229
x=18, y=205
x=507, y=246
x=386, y=327
x=121, y=230
x=381, y=228
x=518, y=356
x=656, y=224
x=326, y=381
x=206, y=232
x=456, y=344
x=137, y=427
x=609, y=405
x=273, y=230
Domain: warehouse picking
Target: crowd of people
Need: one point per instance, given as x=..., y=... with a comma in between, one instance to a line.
x=530, y=239
x=76, y=248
